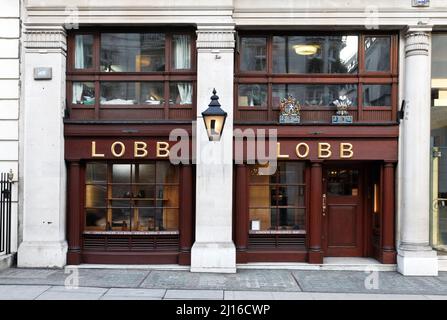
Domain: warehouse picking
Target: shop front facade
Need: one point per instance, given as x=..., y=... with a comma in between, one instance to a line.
x=127, y=153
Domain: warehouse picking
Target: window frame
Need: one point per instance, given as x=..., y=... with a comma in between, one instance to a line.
x=361, y=77
x=132, y=184
x=95, y=75
x=304, y=185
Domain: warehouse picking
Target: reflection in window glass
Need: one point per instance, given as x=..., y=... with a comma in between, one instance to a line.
x=83, y=51
x=277, y=202
x=253, y=52
x=252, y=95
x=180, y=93
x=377, y=53
x=343, y=182
x=137, y=197
x=439, y=72
x=121, y=93
x=132, y=52
x=96, y=219
x=96, y=173
x=315, y=54
x=314, y=94
x=439, y=141
x=181, y=51
x=83, y=93
x=376, y=95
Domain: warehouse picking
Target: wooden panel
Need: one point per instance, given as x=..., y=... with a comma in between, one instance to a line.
x=181, y=114
x=258, y=115
x=342, y=226
x=377, y=115
x=262, y=242
x=272, y=256
x=120, y=243
x=82, y=114
x=167, y=257
x=130, y=114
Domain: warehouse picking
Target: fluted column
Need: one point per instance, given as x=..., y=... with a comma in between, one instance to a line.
x=214, y=250
x=415, y=256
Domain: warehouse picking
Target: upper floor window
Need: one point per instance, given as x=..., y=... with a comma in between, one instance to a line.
x=131, y=75
x=316, y=69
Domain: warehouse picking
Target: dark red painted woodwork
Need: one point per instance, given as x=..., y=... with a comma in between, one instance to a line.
x=343, y=221
x=315, y=246
x=388, y=254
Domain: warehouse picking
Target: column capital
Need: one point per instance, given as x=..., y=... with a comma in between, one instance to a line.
x=417, y=40
x=45, y=38
x=215, y=37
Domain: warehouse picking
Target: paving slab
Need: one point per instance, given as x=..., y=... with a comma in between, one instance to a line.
x=248, y=295
x=81, y=293
x=262, y=280
x=134, y=294
x=194, y=294
x=363, y=296
x=363, y=282
x=104, y=278
x=21, y=292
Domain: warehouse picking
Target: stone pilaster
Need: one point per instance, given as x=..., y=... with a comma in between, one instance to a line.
x=415, y=256
x=44, y=185
x=214, y=250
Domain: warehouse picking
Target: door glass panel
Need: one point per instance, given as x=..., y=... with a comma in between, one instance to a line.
x=343, y=182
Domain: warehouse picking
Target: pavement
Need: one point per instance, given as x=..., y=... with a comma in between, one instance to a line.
x=246, y=284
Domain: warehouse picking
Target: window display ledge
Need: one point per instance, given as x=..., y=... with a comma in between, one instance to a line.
x=277, y=232
x=132, y=233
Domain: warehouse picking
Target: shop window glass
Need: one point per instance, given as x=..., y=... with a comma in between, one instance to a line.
x=315, y=54
x=133, y=197
x=83, y=51
x=181, y=51
x=277, y=202
x=439, y=141
x=376, y=95
x=377, y=53
x=314, y=94
x=253, y=51
x=132, y=52
x=252, y=95
x=132, y=93
x=180, y=93
x=83, y=93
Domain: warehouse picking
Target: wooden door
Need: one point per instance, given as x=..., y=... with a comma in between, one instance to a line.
x=342, y=212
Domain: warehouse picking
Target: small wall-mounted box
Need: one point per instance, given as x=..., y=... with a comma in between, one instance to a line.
x=43, y=73
x=420, y=3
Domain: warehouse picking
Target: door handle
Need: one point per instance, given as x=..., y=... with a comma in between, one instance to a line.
x=324, y=204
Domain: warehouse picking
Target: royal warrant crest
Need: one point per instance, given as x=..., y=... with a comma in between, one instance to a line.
x=289, y=110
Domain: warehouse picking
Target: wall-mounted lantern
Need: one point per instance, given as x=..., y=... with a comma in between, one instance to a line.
x=214, y=118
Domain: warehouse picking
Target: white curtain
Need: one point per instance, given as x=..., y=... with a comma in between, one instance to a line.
x=185, y=91
x=79, y=54
x=182, y=51
x=78, y=88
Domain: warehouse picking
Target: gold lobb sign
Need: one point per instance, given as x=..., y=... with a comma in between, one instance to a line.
x=140, y=149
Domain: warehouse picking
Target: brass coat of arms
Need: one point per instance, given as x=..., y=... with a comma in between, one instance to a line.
x=289, y=110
